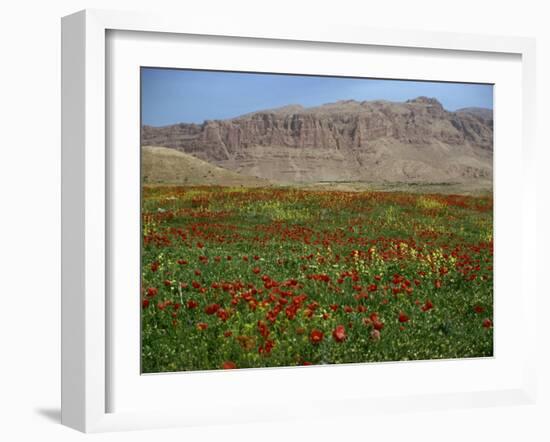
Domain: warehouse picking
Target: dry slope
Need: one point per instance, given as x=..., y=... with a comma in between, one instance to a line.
x=161, y=165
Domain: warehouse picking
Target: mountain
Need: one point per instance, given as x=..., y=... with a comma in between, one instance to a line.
x=161, y=165
x=417, y=141
x=481, y=112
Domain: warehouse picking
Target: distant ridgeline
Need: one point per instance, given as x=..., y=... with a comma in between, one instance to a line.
x=370, y=141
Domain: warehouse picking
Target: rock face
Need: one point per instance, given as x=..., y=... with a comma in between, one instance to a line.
x=370, y=141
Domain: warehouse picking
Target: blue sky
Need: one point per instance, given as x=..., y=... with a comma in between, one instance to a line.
x=171, y=96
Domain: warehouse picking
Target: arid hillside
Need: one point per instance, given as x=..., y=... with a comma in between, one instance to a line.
x=161, y=165
x=348, y=141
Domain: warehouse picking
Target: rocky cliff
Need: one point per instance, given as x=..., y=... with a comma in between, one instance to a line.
x=370, y=141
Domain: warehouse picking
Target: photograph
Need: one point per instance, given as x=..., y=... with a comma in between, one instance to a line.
x=290, y=220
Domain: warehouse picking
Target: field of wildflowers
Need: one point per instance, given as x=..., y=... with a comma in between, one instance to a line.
x=266, y=277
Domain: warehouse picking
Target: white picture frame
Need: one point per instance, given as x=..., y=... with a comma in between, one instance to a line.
x=86, y=217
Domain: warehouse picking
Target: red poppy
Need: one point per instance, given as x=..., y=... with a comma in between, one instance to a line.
x=262, y=328
x=152, y=291
x=222, y=314
x=339, y=333
x=267, y=347
x=256, y=270
x=487, y=323
x=403, y=317
x=167, y=283
x=437, y=283
x=154, y=266
x=202, y=326
x=428, y=305
x=211, y=309
x=198, y=272
x=192, y=304
x=316, y=336
x=163, y=305
x=196, y=284
x=145, y=303
x=229, y=365
x=227, y=333
x=479, y=309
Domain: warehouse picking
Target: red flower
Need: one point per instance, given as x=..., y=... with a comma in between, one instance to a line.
x=222, y=314
x=487, y=323
x=267, y=347
x=339, y=333
x=192, y=304
x=211, y=309
x=479, y=309
x=229, y=365
x=428, y=305
x=154, y=266
x=145, y=303
x=262, y=328
x=167, y=283
x=196, y=284
x=256, y=270
x=198, y=272
x=202, y=326
x=227, y=333
x=403, y=317
x=437, y=283
x=152, y=291
x=316, y=336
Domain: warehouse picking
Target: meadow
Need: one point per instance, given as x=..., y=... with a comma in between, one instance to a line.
x=238, y=277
